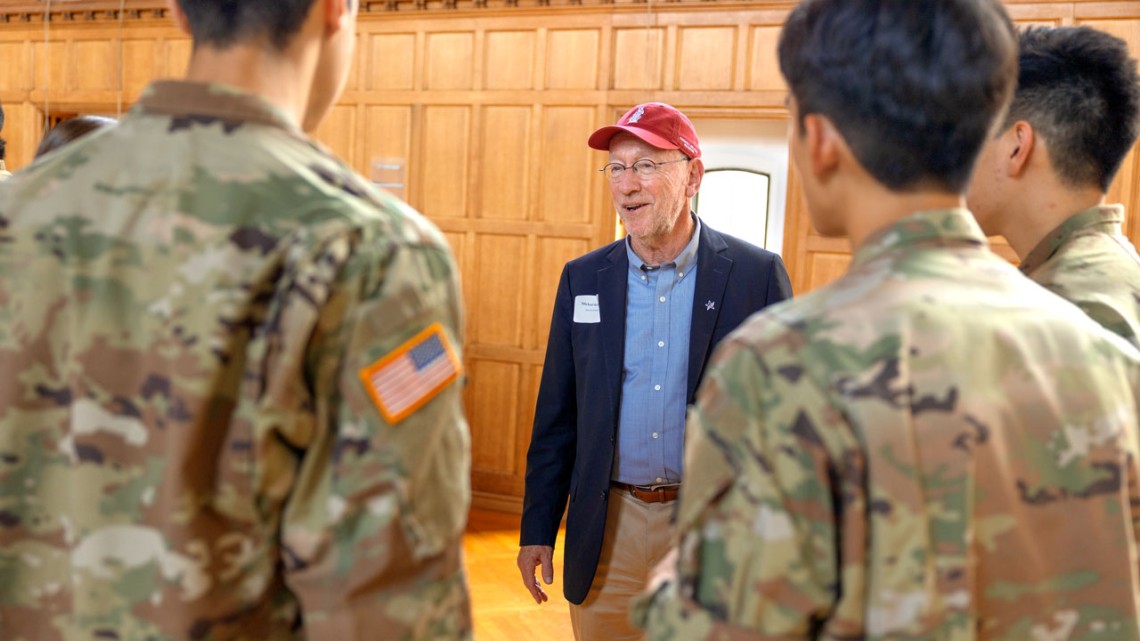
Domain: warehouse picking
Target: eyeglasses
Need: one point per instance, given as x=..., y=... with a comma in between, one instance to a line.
x=643, y=168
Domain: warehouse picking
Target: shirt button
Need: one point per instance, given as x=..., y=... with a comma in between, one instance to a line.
x=662, y=299
x=657, y=388
x=643, y=278
x=655, y=435
x=659, y=479
x=661, y=343
x=680, y=274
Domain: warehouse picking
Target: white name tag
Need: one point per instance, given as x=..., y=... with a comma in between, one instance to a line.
x=586, y=309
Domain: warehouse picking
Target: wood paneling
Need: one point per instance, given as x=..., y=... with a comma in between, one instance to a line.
x=763, y=69
x=638, y=61
x=489, y=112
x=509, y=60
x=505, y=163
x=567, y=166
x=450, y=64
x=579, y=45
x=392, y=57
x=706, y=58
x=444, y=161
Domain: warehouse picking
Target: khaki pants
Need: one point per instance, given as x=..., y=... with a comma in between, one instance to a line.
x=637, y=537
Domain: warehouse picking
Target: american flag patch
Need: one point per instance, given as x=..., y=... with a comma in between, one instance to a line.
x=404, y=380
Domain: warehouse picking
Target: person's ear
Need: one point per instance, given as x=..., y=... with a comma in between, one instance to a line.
x=1022, y=143
x=338, y=15
x=696, y=175
x=824, y=145
x=179, y=16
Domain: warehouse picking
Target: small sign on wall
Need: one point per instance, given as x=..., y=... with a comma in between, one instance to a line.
x=389, y=174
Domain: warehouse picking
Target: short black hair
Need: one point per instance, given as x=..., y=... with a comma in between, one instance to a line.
x=1079, y=90
x=69, y=130
x=914, y=87
x=224, y=23
x=3, y=149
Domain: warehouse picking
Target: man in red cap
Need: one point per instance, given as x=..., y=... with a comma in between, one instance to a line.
x=633, y=326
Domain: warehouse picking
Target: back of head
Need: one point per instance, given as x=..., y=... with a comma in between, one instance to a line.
x=69, y=130
x=1079, y=89
x=224, y=23
x=913, y=87
x=3, y=143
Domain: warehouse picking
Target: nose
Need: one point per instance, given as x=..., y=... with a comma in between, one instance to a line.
x=627, y=182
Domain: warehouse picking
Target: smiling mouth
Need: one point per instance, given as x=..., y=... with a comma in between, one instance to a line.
x=629, y=209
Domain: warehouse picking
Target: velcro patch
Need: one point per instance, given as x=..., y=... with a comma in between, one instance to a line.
x=411, y=375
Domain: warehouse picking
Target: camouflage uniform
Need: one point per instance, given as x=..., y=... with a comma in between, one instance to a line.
x=1088, y=260
x=187, y=449
x=932, y=447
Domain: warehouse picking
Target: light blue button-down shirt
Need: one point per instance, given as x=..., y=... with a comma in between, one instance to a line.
x=655, y=369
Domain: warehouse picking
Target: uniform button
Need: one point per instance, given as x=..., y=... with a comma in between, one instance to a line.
x=661, y=343
x=656, y=388
x=655, y=435
x=662, y=299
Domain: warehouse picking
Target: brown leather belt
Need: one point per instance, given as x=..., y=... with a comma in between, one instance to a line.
x=657, y=494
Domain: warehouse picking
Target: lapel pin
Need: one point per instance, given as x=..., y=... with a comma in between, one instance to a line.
x=709, y=306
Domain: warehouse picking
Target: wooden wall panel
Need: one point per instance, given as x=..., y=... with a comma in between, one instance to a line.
x=443, y=161
x=579, y=45
x=509, y=60
x=450, y=61
x=639, y=61
x=16, y=72
x=94, y=64
x=567, y=165
x=177, y=56
x=53, y=71
x=763, y=68
x=392, y=57
x=141, y=64
x=505, y=163
x=496, y=318
x=338, y=131
x=492, y=406
x=706, y=59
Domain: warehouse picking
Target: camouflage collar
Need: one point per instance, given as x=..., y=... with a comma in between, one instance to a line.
x=196, y=100
x=1105, y=218
x=935, y=227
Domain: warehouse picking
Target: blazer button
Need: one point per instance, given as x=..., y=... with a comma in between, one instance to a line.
x=603, y=496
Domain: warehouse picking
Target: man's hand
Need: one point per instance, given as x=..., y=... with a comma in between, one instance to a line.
x=531, y=556
x=665, y=571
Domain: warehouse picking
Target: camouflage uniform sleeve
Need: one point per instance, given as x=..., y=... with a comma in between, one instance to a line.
x=771, y=479
x=372, y=530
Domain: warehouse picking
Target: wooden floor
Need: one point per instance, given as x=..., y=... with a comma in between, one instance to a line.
x=503, y=609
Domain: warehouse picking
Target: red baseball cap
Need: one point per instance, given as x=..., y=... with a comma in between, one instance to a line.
x=657, y=124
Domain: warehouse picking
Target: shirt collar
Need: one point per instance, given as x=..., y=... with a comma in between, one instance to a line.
x=683, y=262
x=230, y=105
x=1106, y=218
x=937, y=227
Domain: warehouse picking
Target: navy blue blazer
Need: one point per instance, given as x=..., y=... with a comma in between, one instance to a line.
x=576, y=419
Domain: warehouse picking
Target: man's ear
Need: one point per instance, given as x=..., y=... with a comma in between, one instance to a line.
x=338, y=15
x=823, y=143
x=179, y=16
x=1022, y=143
x=696, y=175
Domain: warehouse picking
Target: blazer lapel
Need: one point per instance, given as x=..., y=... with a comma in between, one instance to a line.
x=712, y=277
x=612, y=279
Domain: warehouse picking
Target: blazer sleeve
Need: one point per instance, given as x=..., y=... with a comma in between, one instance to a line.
x=779, y=285
x=553, y=441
